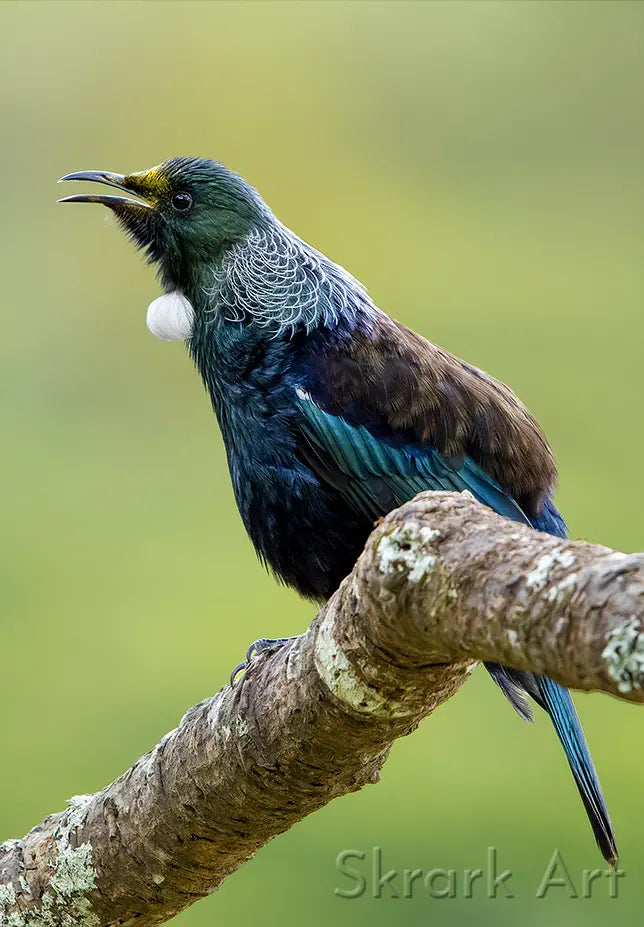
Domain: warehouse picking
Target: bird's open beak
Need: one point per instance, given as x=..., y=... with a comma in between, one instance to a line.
x=140, y=218
x=120, y=181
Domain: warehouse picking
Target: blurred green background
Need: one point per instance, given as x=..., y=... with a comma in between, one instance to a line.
x=479, y=167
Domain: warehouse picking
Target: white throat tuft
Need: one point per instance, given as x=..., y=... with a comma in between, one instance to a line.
x=171, y=317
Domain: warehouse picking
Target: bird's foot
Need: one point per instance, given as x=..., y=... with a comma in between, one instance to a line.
x=263, y=645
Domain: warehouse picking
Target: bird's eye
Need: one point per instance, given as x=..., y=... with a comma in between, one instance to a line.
x=181, y=202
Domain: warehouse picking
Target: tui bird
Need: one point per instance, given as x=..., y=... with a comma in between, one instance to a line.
x=331, y=412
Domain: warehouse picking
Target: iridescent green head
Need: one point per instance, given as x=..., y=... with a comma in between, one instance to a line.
x=187, y=212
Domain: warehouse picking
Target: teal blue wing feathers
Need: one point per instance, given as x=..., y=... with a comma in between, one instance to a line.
x=381, y=473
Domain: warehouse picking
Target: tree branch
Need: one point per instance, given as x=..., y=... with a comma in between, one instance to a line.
x=443, y=582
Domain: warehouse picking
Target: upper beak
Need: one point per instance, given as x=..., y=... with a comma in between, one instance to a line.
x=111, y=180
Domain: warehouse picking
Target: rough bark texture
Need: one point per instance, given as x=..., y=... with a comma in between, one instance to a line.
x=442, y=583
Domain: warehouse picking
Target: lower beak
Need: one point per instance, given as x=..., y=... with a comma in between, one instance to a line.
x=111, y=180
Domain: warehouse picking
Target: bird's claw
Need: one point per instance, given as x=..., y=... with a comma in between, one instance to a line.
x=262, y=645
x=237, y=669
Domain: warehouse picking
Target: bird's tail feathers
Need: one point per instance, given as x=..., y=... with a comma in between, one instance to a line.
x=514, y=686
x=557, y=701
